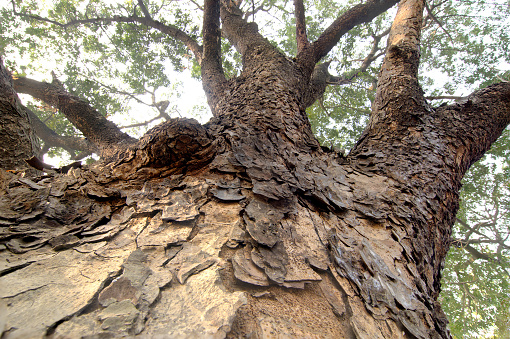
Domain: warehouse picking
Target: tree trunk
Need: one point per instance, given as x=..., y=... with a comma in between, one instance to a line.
x=242, y=227
x=245, y=227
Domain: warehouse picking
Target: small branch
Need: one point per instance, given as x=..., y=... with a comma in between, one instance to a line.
x=446, y=97
x=35, y=17
x=373, y=55
x=254, y=11
x=197, y=4
x=144, y=9
x=301, y=38
x=129, y=95
x=145, y=123
x=471, y=229
x=501, y=79
x=429, y=10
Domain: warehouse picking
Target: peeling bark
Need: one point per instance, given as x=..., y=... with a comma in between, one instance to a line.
x=243, y=226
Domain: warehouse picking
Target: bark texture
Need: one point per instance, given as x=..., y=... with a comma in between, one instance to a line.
x=17, y=137
x=252, y=242
x=244, y=227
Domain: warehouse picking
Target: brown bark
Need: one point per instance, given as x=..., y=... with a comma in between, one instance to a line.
x=99, y=131
x=17, y=137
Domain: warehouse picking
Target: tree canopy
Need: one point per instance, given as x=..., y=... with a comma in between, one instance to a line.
x=123, y=57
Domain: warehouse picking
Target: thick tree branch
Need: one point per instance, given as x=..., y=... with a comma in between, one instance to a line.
x=100, y=132
x=213, y=78
x=301, y=38
x=52, y=139
x=167, y=29
x=356, y=15
x=479, y=119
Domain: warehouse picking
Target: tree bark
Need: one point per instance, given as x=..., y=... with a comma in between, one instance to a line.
x=245, y=227
x=16, y=135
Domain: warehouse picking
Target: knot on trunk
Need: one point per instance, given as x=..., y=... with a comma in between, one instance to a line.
x=176, y=145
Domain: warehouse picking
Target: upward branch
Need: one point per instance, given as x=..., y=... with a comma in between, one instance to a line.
x=244, y=36
x=301, y=38
x=398, y=78
x=213, y=77
x=344, y=23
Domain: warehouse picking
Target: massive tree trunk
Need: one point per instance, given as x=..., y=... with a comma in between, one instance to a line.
x=246, y=227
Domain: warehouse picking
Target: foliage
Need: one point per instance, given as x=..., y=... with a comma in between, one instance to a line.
x=464, y=47
x=476, y=288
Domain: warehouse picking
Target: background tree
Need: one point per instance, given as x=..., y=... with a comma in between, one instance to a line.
x=140, y=27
